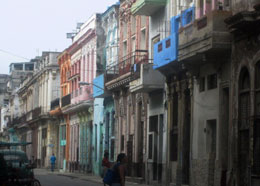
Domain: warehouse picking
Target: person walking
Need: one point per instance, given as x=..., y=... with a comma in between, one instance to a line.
x=120, y=170
x=53, y=159
x=105, y=164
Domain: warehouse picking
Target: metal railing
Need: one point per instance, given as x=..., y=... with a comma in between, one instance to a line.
x=23, y=118
x=55, y=104
x=65, y=100
x=13, y=122
x=125, y=64
x=36, y=112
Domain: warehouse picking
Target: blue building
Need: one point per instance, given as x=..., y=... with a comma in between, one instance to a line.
x=104, y=120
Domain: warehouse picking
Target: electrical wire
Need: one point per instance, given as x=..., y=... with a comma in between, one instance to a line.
x=12, y=54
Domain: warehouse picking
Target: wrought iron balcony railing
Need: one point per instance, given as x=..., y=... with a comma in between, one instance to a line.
x=55, y=104
x=116, y=70
x=36, y=112
x=65, y=100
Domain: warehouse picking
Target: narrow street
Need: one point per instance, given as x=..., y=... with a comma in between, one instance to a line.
x=48, y=178
x=161, y=92
x=55, y=179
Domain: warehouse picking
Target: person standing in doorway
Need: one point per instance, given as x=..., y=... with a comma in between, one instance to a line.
x=53, y=159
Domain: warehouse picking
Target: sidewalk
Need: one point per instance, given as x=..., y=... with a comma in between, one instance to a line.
x=86, y=177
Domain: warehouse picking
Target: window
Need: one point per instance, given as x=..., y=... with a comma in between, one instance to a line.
x=143, y=39
x=124, y=30
x=168, y=43
x=133, y=25
x=160, y=47
x=227, y=3
x=96, y=142
x=80, y=90
x=155, y=40
x=29, y=67
x=44, y=133
x=175, y=111
x=63, y=132
x=153, y=124
x=150, y=147
x=174, y=130
x=107, y=128
x=153, y=137
x=18, y=67
x=112, y=149
x=211, y=136
x=257, y=75
x=243, y=124
x=122, y=143
x=201, y=8
x=113, y=124
x=124, y=48
x=212, y=81
x=143, y=21
x=133, y=45
x=189, y=17
x=6, y=101
x=202, y=84
x=256, y=131
x=173, y=146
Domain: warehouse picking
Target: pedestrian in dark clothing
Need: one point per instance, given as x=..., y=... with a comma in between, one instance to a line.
x=53, y=159
x=120, y=170
x=105, y=164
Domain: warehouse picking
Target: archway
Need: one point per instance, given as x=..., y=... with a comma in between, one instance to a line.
x=256, y=129
x=243, y=126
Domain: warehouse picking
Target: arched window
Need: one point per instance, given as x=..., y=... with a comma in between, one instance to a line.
x=243, y=125
x=84, y=68
x=256, y=130
x=244, y=98
x=257, y=88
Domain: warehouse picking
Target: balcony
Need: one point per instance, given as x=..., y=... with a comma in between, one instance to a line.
x=55, y=104
x=204, y=39
x=13, y=122
x=74, y=76
x=245, y=21
x=147, y=7
x=23, y=119
x=29, y=116
x=65, y=100
x=149, y=79
x=122, y=73
x=166, y=51
x=55, y=107
x=36, y=112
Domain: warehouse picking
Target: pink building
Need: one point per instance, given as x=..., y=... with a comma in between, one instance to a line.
x=85, y=60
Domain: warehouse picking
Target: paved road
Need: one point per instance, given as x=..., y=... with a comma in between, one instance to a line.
x=48, y=178
x=52, y=179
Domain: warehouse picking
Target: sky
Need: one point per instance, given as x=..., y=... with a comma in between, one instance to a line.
x=28, y=27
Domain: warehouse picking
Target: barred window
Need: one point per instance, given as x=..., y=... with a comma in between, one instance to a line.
x=202, y=84
x=150, y=143
x=122, y=143
x=212, y=81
